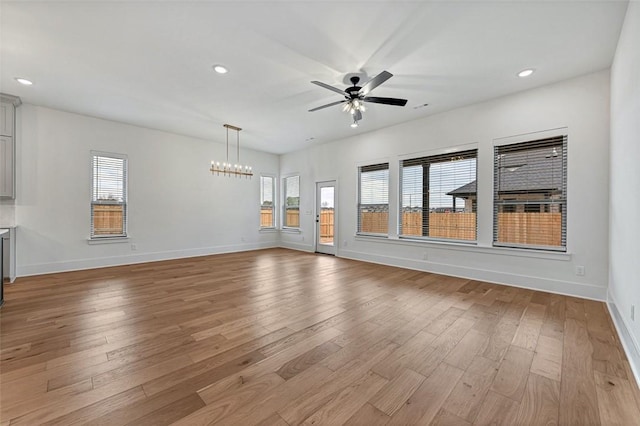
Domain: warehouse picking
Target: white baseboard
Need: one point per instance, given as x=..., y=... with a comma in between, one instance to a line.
x=534, y=283
x=297, y=246
x=566, y=288
x=629, y=343
x=103, y=262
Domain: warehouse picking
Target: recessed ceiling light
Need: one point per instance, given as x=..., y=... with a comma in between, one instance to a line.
x=220, y=69
x=525, y=73
x=24, y=81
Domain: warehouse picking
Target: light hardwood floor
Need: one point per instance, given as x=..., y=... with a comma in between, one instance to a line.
x=278, y=337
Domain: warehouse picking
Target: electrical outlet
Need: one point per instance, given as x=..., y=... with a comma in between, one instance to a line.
x=134, y=247
x=303, y=238
x=633, y=312
x=580, y=270
x=425, y=256
x=344, y=243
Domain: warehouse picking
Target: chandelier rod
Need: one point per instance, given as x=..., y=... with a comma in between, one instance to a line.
x=237, y=129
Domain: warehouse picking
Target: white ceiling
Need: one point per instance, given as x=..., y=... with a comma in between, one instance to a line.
x=150, y=63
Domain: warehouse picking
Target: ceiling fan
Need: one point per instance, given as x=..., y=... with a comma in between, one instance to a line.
x=355, y=96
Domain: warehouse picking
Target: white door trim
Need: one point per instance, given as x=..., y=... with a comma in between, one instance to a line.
x=320, y=247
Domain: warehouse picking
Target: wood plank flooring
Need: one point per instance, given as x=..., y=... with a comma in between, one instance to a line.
x=278, y=337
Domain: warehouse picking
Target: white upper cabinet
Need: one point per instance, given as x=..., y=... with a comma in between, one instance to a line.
x=7, y=172
x=8, y=106
x=7, y=113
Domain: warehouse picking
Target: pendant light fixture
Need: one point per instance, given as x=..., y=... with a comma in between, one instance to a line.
x=228, y=169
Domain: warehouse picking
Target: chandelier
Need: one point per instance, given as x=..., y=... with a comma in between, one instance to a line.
x=228, y=169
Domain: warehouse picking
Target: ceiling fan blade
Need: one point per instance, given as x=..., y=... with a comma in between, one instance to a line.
x=328, y=105
x=333, y=89
x=386, y=101
x=375, y=82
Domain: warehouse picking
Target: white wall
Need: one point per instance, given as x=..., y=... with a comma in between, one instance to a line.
x=176, y=207
x=624, y=281
x=580, y=104
x=7, y=213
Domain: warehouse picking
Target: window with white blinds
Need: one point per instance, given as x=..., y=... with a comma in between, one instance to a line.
x=291, y=202
x=438, y=197
x=373, y=199
x=267, y=197
x=108, y=195
x=530, y=194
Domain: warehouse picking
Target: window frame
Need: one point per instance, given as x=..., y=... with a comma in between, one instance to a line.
x=371, y=168
x=284, y=202
x=124, y=203
x=273, y=200
x=519, y=146
x=435, y=158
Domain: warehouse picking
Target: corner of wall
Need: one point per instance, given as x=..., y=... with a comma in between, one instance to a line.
x=624, y=179
x=630, y=345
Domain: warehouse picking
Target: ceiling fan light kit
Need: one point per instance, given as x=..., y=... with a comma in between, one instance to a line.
x=228, y=169
x=355, y=96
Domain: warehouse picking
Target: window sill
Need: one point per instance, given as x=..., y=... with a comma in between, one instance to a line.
x=374, y=236
x=270, y=230
x=291, y=230
x=107, y=240
x=472, y=247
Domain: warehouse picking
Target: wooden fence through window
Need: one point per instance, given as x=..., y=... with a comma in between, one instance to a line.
x=266, y=218
x=536, y=229
x=539, y=229
x=293, y=219
x=108, y=219
x=456, y=226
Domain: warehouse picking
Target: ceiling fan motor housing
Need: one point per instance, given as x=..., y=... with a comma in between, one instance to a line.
x=354, y=90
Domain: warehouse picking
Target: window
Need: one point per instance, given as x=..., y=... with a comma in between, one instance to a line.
x=108, y=195
x=292, y=202
x=267, y=195
x=439, y=197
x=530, y=194
x=373, y=199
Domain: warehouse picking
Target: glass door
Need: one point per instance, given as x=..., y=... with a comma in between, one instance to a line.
x=325, y=217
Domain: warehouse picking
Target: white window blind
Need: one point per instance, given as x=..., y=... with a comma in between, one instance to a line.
x=373, y=199
x=267, y=197
x=530, y=194
x=108, y=195
x=438, y=197
x=292, y=202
